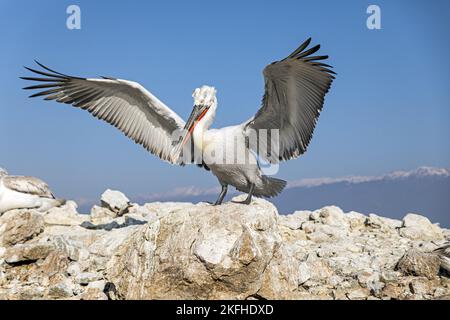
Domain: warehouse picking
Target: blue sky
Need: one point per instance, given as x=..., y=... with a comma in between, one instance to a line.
x=388, y=108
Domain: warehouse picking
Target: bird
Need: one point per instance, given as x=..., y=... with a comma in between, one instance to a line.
x=23, y=192
x=282, y=128
x=444, y=254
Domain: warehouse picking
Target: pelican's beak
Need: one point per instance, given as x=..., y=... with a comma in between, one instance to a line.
x=198, y=112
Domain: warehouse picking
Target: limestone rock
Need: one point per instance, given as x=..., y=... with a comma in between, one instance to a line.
x=185, y=251
x=358, y=294
x=27, y=252
x=116, y=201
x=294, y=221
x=61, y=290
x=101, y=215
x=209, y=252
x=332, y=216
x=93, y=294
x=304, y=273
x=385, y=224
x=356, y=220
x=65, y=215
x=417, y=227
x=419, y=263
x=19, y=226
x=87, y=277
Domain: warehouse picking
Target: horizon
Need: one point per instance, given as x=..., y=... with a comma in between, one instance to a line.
x=186, y=191
x=387, y=109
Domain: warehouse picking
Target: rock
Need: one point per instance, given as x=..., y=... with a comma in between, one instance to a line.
x=115, y=201
x=185, y=251
x=389, y=276
x=27, y=252
x=441, y=292
x=385, y=224
x=304, y=274
x=294, y=221
x=375, y=287
x=419, y=264
x=392, y=291
x=332, y=216
x=318, y=237
x=93, y=294
x=139, y=212
x=309, y=226
x=421, y=286
x=74, y=269
x=19, y=226
x=335, y=281
x=417, y=227
x=356, y=220
x=320, y=269
x=101, y=215
x=279, y=280
x=61, y=290
x=65, y=215
x=85, y=278
x=358, y=294
x=368, y=278
x=99, y=284
x=221, y=252
x=289, y=235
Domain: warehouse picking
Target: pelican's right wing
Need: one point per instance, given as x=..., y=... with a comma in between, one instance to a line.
x=124, y=104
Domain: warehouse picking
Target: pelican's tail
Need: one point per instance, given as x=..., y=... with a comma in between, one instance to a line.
x=272, y=186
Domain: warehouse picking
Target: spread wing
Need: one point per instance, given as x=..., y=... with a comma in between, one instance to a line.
x=295, y=88
x=124, y=104
x=30, y=185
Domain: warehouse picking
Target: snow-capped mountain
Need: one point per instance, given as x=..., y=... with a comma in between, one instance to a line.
x=424, y=190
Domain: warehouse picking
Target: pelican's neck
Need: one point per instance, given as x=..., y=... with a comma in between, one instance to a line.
x=203, y=126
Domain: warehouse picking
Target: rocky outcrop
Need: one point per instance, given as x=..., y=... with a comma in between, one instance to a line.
x=186, y=251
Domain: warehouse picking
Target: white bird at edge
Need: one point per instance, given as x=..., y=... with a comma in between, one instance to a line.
x=444, y=254
x=295, y=88
x=22, y=192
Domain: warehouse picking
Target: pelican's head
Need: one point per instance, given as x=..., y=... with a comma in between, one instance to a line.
x=205, y=96
x=204, y=110
x=202, y=115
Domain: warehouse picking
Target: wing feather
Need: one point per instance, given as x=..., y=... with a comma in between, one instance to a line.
x=295, y=88
x=124, y=104
x=30, y=185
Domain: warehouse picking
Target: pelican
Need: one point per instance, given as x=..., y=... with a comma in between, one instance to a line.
x=295, y=88
x=21, y=192
x=444, y=254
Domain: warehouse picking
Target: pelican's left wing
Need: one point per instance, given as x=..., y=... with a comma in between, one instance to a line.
x=124, y=104
x=30, y=185
x=295, y=88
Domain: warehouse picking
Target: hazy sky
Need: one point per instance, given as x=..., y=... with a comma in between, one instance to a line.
x=388, y=108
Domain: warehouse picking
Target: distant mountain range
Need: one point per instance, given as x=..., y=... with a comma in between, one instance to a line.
x=425, y=190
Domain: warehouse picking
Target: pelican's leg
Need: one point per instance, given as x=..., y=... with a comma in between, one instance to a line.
x=221, y=195
x=249, y=197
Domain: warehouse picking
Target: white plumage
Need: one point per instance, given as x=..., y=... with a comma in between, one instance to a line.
x=19, y=192
x=293, y=99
